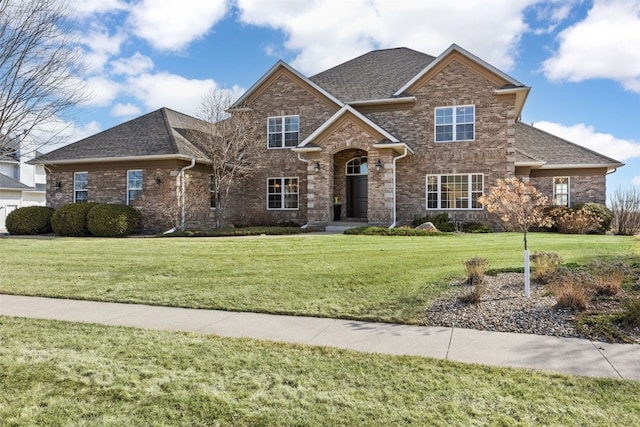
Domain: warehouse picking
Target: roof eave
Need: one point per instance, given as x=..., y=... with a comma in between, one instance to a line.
x=306, y=149
x=609, y=166
x=395, y=146
x=536, y=165
x=116, y=159
x=521, y=93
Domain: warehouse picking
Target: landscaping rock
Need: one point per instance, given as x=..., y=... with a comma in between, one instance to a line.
x=428, y=226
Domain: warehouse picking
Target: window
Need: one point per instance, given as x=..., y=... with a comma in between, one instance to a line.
x=561, y=191
x=213, y=193
x=282, y=193
x=454, y=191
x=357, y=166
x=80, y=184
x=455, y=123
x=134, y=185
x=282, y=132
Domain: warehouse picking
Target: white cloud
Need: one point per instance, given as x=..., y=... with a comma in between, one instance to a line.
x=102, y=91
x=169, y=90
x=635, y=180
x=59, y=133
x=329, y=32
x=136, y=64
x=603, y=45
x=100, y=47
x=604, y=143
x=172, y=25
x=125, y=110
x=84, y=8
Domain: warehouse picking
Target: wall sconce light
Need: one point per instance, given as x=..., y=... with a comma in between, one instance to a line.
x=317, y=167
x=58, y=186
x=158, y=181
x=378, y=165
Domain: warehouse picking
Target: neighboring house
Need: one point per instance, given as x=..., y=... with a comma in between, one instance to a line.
x=384, y=138
x=21, y=184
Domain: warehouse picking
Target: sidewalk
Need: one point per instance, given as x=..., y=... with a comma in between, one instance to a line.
x=563, y=355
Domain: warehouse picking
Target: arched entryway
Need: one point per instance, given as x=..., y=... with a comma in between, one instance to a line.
x=357, y=182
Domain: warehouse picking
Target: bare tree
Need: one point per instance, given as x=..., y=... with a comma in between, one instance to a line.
x=520, y=206
x=230, y=145
x=40, y=66
x=625, y=205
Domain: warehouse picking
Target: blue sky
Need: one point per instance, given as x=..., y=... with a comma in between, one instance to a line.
x=581, y=58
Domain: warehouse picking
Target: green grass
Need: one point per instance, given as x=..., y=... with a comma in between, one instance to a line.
x=52, y=374
x=382, y=278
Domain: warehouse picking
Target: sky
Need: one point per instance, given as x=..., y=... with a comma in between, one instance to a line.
x=581, y=58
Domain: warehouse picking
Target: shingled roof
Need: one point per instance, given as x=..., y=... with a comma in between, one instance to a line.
x=159, y=133
x=7, y=183
x=374, y=75
x=534, y=144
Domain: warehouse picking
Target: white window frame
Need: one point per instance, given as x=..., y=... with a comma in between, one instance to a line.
x=76, y=190
x=283, y=193
x=130, y=189
x=471, y=192
x=455, y=122
x=281, y=122
x=567, y=194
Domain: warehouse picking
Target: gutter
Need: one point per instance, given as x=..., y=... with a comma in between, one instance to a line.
x=395, y=210
x=182, y=191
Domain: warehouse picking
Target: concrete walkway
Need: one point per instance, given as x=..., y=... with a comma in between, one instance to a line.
x=564, y=355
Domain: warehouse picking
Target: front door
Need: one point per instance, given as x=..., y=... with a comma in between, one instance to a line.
x=357, y=184
x=357, y=196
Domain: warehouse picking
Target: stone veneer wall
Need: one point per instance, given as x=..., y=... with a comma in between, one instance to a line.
x=585, y=186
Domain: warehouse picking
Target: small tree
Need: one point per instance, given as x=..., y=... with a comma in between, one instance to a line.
x=230, y=145
x=520, y=205
x=625, y=205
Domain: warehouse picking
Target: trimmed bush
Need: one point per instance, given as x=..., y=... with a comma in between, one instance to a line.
x=106, y=220
x=71, y=219
x=30, y=220
x=603, y=213
x=575, y=221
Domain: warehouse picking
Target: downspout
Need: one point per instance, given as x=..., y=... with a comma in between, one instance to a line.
x=395, y=210
x=306, y=161
x=182, y=191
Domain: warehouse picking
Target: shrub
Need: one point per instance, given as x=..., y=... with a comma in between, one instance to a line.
x=107, y=220
x=30, y=220
x=476, y=227
x=440, y=221
x=608, y=276
x=545, y=264
x=385, y=231
x=572, y=289
x=575, y=221
x=475, y=268
x=71, y=219
x=604, y=214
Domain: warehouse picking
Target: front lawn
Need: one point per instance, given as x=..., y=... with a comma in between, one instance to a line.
x=52, y=373
x=382, y=278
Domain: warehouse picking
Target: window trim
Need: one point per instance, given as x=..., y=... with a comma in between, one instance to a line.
x=129, y=189
x=568, y=193
x=283, y=132
x=283, y=193
x=470, y=192
x=454, y=123
x=76, y=190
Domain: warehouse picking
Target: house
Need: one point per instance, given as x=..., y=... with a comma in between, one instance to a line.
x=383, y=138
x=21, y=184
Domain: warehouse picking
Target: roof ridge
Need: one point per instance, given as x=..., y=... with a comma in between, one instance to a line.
x=169, y=129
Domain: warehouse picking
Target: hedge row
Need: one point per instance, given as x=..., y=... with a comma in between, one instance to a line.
x=75, y=219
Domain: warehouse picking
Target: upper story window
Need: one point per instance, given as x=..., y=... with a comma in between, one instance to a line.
x=80, y=185
x=455, y=123
x=213, y=192
x=282, y=131
x=561, y=191
x=454, y=191
x=134, y=185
